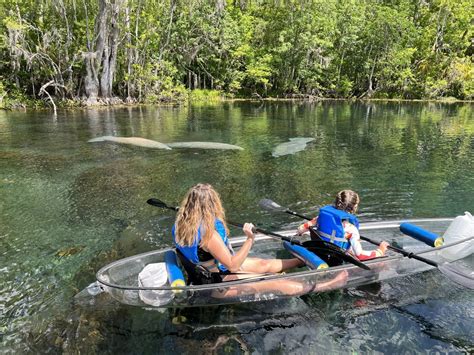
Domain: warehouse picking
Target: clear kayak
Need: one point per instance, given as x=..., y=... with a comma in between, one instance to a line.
x=121, y=278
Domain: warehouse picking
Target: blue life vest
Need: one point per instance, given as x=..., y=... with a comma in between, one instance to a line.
x=330, y=226
x=191, y=252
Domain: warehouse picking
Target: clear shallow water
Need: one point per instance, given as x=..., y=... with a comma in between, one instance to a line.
x=67, y=207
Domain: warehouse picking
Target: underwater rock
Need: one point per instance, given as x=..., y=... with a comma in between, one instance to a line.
x=295, y=145
x=69, y=251
x=205, y=145
x=136, y=141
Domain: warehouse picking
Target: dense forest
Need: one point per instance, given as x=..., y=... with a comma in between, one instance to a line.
x=108, y=51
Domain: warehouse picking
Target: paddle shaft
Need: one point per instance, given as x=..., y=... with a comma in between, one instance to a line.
x=402, y=251
x=297, y=214
x=263, y=231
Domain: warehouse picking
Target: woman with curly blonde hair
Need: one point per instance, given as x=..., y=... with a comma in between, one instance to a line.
x=201, y=235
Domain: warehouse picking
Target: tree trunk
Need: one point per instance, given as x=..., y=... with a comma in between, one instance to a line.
x=109, y=64
x=91, y=81
x=370, y=90
x=128, y=37
x=195, y=81
x=105, y=54
x=168, y=34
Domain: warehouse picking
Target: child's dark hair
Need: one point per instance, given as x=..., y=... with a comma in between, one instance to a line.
x=347, y=200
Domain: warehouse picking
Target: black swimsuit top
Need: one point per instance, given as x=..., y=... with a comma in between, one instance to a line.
x=204, y=255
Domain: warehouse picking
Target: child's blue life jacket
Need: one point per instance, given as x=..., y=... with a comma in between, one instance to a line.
x=330, y=227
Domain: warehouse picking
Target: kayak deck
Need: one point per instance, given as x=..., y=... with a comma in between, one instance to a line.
x=120, y=278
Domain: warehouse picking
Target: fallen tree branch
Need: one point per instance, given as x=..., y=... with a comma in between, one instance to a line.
x=43, y=91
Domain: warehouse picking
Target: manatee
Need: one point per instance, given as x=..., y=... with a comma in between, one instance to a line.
x=205, y=145
x=137, y=141
x=293, y=146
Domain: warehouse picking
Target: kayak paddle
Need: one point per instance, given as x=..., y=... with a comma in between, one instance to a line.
x=322, y=246
x=457, y=274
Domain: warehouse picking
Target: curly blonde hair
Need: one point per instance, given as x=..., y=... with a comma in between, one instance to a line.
x=347, y=200
x=199, y=209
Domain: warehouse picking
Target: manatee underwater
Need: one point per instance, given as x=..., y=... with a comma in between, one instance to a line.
x=295, y=145
x=148, y=143
x=137, y=141
x=205, y=145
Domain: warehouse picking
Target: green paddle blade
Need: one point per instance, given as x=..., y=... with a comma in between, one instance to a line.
x=458, y=274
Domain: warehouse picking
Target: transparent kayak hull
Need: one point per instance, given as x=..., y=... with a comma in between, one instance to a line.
x=120, y=278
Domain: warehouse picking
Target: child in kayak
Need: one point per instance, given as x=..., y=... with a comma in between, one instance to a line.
x=338, y=224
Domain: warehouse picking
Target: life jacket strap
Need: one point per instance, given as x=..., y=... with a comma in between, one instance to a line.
x=332, y=237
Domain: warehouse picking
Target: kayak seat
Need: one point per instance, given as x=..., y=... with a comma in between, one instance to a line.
x=330, y=259
x=197, y=274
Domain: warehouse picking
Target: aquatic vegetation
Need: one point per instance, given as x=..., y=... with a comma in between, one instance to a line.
x=69, y=251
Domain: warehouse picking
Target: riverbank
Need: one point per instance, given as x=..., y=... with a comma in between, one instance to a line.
x=195, y=96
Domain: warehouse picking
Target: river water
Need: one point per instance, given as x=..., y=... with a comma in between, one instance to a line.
x=68, y=207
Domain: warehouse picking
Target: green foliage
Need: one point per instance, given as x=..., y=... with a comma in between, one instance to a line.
x=330, y=48
x=198, y=95
x=258, y=72
x=461, y=79
x=12, y=97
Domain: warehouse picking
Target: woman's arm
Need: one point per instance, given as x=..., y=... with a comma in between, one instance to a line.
x=221, y=252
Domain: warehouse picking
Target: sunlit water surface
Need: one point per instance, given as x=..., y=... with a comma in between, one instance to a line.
x=68, y=207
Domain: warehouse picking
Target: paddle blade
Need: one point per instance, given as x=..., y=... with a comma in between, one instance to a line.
x=270, y=205
x=158, y=203
x=155, y=202
x=458, y=274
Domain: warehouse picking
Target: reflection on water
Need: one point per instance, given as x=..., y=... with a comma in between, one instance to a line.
x=67, y=207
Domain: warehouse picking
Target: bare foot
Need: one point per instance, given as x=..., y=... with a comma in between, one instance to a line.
x=341, y=279
x=337, y=282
